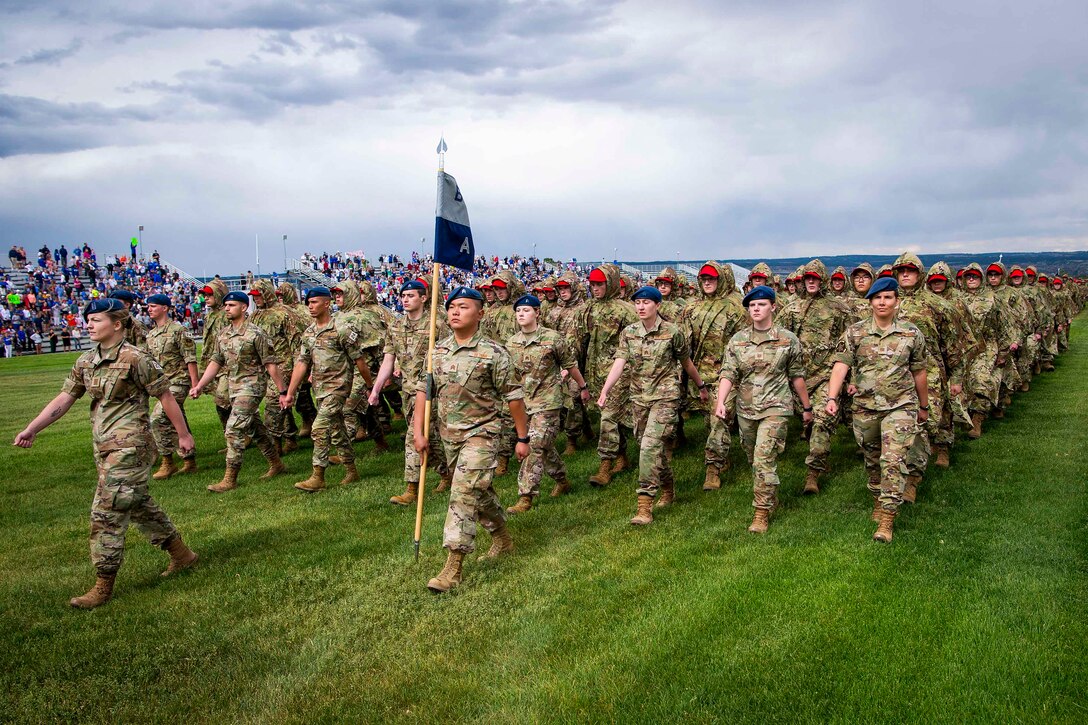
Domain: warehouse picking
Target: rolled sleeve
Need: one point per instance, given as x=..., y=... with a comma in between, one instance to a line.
x=918, y=353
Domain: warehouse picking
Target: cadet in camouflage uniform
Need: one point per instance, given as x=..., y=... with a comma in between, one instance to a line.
x=838, y=283
x=120, y=378
x=499, y=324
x=668, y=284
x=329, y=354
x=369, y=328
x=762, y=361
x=992, y=327
x=606, y=317
x=473, y=379
x=135, y=332
x=1012, y=305
x=861, y=279
x=709, y=322
x=215, y=319
x=379, y=416
x=273, y=318
x=541, y=356
x=245, y=353
x=887, y=357
x=656, y=351
x=405, y=351
x=175, y=352
x=569, y=320
x=1045, y=313
x=818, y=320
x=1039, y=313
x=304, y=402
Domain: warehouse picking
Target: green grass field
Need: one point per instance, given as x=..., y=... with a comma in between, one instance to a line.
x=310, y=608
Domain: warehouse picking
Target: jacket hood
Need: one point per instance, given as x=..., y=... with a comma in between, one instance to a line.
x=819, y=268
x=515, y=285
x=840, y=270
x=268, y=293
x=943, y=268
x=670, y=274
x=910, y=258
x=352, y=298
x=1000, y=266
x=1032, y=273
x=611, y=280
x=367, y=294
x=1014, y=268
x=863, y=267
x=762, y=268
x=727, y=285
x=219, y=291
x=288, y=293
x=578, y=294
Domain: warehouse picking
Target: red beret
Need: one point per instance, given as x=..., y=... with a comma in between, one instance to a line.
x=597, y=276
x=934, y=277
x=708, y=270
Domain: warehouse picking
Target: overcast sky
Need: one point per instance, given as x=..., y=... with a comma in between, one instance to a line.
x=763, y=129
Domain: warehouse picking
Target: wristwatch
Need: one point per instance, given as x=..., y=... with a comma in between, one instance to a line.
x=704, y=386
x=523, y=440
x=283, y=392
x=923, y=407
x=808, y=409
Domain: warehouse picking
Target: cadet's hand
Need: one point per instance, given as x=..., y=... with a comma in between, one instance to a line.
x=186, y=444
x=832, y=407
x=923, y=416
x=521, y=450
x=955, y=389
x=1014, y=347
x=601, y=401
x=396, y=374
x=286, y=401
x=703, y=395
x=807, y=417
x=1037, y=337
x=851, y=390
x=373, y=397
x=563, y=374
x=584, y=395
x=420, y=442
x=194, y=393
x=25, y=439
x=720, y=411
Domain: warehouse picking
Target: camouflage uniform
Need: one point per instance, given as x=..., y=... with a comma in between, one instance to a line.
x=709, y=322
x=215, y=319
x=120, y=380
x=761, y=365
x=369, y=328
x=1044, y=310
x=963, y=324
x=378, y=417
x=472, y=383
x=539, y=356
x=568, y=318
x=407, y=341
x=857, y=305
x=300, y=315
x=605, y=321
x=882, y=363
x=654, y=358
x=282, y=333
x=329, y=351
x=1033, y=318
x=818, y=321
x=1013, y=306
x=172, y=348
x=499, y=324
x=136, y=333
x=243, y=353
x=983, y=382
x=672, y=306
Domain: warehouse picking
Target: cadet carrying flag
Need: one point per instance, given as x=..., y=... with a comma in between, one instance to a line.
x=452, y=236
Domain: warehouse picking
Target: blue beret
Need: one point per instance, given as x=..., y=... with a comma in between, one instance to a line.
x=103, y=304
x=159, y=299
x=464, y=293
x=762, y=292
x=413, y=284
x=527, y=301
x=647, y=293
x=124, y=295
x=318, y=292
x=883, y=284
x=237, y=296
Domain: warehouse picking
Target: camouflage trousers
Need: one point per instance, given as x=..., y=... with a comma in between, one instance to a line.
x=508, y=435
x=275, y=417
x=719, y=438
x=304, y=403
x=1049, y=348
x=356, y=406
x=764, y=439
x=886, y=438
x=543, y=458
x=329, y=430
x=472, y=497
x=615, y=415
x=655, y=426
x=574, y=412
x=163, y=431
x=1010, y=377
x=1028, y=356
x=122, y=497
x=222, y=399
x=929, y=433
x=983, y=382
x=244, y=424
x=823, y=427
x=436, y=455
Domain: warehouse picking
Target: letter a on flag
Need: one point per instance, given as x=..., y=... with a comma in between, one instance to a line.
x=452, y=236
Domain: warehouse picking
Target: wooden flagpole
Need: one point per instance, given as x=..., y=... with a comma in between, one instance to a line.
x=432, y=297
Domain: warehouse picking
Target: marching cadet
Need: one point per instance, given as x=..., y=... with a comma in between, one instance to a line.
x=953, y=405
x=245, y=353
x=762, y=361
x=499, y=325
x=886, y=356
x=278, y=325
x=473, y=379
x=569, y=320
x=405, y=352
x=1011, y=306
x=657, y=350
x=541, y=356
x=861, y=279
x=369, y=328
x=378, y=416
x=135, y=332
x=995, y=334
x=304, y=402
x=672, y=304
x=708, y=323
x=818, y=320
x=1039, y=314
x=119, y=378
x=606, y=317
x=838, y=282
x=1044, y=311
x=175, y=352
x=215, y=319
x=327, y=355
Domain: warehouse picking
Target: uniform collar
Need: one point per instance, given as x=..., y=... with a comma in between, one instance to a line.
x=874, y=330
x=763, y=335
x=102, y=354
x=643, y=332
x=473, y=341
x=528, y=337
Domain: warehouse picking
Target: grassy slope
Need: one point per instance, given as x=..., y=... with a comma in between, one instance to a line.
x=310, y=607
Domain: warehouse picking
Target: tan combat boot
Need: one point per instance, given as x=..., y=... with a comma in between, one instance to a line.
x=562, y=486
x=351, y=474
x=603, y=476
x=450, y=576
x=167, y=469
x=976, y=426
x=645, y=513
x=910, y=491
x=97, y=595
x=315, y=483
x=524, y=504
x=305, y=430
x=812, y=482
x=760, y=521
x=941, y=461
x=712, y=481
x=877, y=509
x=668, y=495
x=1048, y=366
x=501, y=544
x=229, y=482
x=571, y=448
x=444, y=483
x=884, y=531
x=998, y=413
x=407, y=498
x=360, y=435
x=380, y=446
x=275, y=468
x=1025, y=387
x=503, y=467
x=621, y=464
x=290, y=445
x=188, y=465
x=335, y=460
x=181, y=556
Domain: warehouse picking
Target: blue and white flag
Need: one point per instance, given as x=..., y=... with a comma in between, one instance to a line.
x=452, y=236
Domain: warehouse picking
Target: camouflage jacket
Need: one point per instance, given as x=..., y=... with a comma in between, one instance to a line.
x=818, y=321
x=538, y=357
x=709, y=322
x=605, y=320
x=499, y=323
x=936, y=319
x=136, y=333
x=883, y=363
x=568, y=318
x=672, y=307
x=761, y=366
x=330, y=352
x=278, y=324
x=243, y=353
x=120, y=381
x=173, y=350
x=990, y=325
x=407, y=342
x=215, y=319
x=367, y=324
x=654, y=358
x=472, y=384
